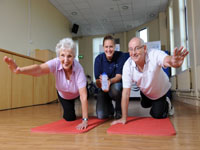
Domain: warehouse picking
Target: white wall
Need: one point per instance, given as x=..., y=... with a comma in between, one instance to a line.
x=31, y=24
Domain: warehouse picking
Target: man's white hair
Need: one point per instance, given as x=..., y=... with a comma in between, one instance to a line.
x=138, y=38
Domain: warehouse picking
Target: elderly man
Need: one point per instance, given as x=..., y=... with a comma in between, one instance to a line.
x=144, y=67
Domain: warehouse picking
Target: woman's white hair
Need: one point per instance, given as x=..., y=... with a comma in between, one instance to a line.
x=66, y=44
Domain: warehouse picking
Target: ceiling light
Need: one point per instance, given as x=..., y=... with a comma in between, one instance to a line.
x=74, y=13
x=124, y=7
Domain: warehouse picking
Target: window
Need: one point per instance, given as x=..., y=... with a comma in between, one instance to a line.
x=77, y=50
x=183, y=29
x=143, y=34
x=171, y=30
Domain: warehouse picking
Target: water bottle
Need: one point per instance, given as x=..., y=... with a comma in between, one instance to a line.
x=104, y=83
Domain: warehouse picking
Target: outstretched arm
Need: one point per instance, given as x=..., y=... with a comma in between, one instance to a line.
x=34, y=70
x=176, y=60
x=124, y=104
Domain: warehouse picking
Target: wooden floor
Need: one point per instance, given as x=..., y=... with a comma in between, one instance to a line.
x=15, y=132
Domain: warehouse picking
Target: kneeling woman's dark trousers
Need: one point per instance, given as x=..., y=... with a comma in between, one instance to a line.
x=68, y=108
x=104, y=106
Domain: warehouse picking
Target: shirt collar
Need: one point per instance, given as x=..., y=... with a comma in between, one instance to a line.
x=147, y=58
x=105, y=59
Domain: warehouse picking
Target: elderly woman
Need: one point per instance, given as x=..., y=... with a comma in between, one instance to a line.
x=69, y=75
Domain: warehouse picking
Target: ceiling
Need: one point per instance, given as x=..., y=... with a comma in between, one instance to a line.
x=96, y=17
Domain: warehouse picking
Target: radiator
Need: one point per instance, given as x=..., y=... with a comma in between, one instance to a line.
x=184, y=80
x=198, y=80
x=173, y=80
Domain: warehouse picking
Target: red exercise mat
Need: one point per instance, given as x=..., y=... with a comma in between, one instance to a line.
x=69, y=127
x=144, y=126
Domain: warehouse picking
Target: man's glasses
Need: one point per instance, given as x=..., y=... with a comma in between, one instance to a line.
x=136, y=49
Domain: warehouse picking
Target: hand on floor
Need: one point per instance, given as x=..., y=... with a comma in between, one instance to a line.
x=82, y=125
x=122, y=120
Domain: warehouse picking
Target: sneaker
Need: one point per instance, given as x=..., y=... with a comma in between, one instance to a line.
x=170, y=107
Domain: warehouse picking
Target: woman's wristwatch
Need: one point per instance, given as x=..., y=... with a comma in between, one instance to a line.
x=85, y=119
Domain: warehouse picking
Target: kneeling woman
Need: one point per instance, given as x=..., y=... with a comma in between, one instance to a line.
x=69, y=75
